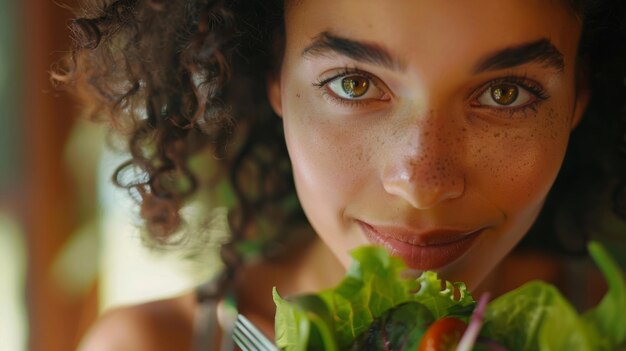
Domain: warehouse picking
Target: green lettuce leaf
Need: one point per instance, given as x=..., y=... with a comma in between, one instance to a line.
x=537, y=317
x=533, y=317
x=373, y=285
x=609, y=317
x=304, y=323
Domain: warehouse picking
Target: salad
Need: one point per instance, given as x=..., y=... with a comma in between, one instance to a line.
x=375, y=308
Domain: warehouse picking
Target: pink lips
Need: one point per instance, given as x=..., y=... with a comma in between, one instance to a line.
x=425, y=250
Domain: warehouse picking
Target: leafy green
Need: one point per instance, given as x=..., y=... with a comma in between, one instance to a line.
x=529, y=317
x=441, y=302
x=375, y=297
x=399, y=328
x=373, y=285
x=609, y=316
x=304, y=324
x=537, y=317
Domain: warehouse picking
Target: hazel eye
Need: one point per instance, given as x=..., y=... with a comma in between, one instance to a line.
x=355, y=87
x=505, y=95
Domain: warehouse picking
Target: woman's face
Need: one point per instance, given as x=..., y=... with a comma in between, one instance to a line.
x=433, y=128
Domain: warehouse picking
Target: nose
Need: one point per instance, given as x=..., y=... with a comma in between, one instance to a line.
x=426, y=169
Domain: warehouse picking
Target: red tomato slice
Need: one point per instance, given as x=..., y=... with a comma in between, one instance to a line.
x=443, y=335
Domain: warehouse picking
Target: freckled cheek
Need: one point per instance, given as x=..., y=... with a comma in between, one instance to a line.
x=515, y=170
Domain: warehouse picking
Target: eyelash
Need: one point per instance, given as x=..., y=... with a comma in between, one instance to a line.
x=523, y=81
x=347, y=71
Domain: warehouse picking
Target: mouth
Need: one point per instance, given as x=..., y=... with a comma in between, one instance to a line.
x=424, y=250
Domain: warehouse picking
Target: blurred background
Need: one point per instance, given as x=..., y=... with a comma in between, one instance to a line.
x=58, y=270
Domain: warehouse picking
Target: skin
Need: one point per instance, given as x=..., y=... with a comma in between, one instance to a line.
x=422, y=151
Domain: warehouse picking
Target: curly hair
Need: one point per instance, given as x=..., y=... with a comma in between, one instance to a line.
x=180, y=77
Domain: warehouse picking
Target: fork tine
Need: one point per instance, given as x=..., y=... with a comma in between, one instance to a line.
x=246, y=333
x=243, y=342
x=247, y=339
x=256, y=334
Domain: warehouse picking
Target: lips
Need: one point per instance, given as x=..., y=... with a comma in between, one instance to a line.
x=422, y=250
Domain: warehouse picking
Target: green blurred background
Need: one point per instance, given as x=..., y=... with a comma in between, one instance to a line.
x=12, y=243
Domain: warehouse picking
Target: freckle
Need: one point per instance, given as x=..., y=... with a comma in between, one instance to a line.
x=496, y=135
x=298, y=95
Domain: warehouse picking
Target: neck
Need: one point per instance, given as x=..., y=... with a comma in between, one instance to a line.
x=306, y=270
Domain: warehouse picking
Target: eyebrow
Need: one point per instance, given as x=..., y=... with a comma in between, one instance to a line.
x=326, y=43
x=541, y=51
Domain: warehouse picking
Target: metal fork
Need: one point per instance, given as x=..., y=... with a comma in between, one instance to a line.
x=249, y=338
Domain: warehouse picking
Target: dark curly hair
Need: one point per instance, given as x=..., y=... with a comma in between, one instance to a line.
x=180, y=77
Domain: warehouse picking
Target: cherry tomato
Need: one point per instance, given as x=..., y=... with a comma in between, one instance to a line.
x=443, y=335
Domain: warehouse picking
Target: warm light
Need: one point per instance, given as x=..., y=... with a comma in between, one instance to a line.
x=12, y=286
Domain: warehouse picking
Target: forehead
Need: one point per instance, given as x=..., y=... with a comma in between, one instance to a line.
x=414, y=29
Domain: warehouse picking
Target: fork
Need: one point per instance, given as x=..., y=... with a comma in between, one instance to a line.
x=249, y=338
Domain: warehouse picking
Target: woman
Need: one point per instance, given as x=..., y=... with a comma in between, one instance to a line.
x=433, y=128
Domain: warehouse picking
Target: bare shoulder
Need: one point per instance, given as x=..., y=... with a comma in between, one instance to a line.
x=159, y=325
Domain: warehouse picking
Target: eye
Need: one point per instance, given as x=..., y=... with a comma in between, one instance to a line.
x=355, y=87
x=505, y=95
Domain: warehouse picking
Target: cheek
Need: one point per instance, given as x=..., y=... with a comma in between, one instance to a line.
x=330, y=156
x=516, y=168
